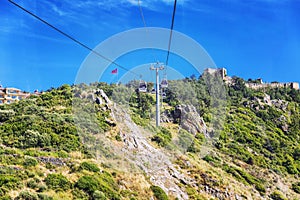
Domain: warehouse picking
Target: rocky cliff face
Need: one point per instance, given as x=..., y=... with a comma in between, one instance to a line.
x=266, y=102
x=187, y=117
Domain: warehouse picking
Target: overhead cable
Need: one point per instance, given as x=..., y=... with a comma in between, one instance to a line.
x=72, y=38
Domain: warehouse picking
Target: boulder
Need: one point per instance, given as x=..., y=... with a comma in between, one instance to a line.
x=189, y=119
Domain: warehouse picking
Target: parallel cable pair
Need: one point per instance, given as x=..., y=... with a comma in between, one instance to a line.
x=171, y=28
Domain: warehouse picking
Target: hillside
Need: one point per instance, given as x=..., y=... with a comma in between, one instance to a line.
x=99, y=141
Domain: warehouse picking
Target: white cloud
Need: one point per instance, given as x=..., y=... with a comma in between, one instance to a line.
x=134, y=2
x=8, y=25
x=58, y=11
x=85, y=13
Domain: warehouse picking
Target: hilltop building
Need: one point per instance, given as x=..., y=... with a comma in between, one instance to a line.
x=220, y=71
x=293, y=85
x=253, y=84
x=10, y=95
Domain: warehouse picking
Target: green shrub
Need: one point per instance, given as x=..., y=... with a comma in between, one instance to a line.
x=32, y=184
x=62, y=154
x=30, y=174
x=3, y=191
x=102, y=182
x=162, y=137
x=89, y=167
x=219, y=145
x=41, y=188
x=26, y=195
x=108, y=186
x=88, y=184
x=114, y=174
x=49, y=165
x=260, y=188
x=200, y=137
x=44, y=197
x=57, y=181
x=245, y=177
x=290, y=165
x=9, y=181
x=159, y=193
x=276, y=195
x=208, y=158
x=195, y=147
x=97, y=195
x=5, y=197
x=30, y=162
x=118, y=138
x=79, y=194
x=128, y=193
x=107, y=179
x=296, y=187
x=139, y=120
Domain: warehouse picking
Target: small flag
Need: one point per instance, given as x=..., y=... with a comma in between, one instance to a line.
x=115, y=71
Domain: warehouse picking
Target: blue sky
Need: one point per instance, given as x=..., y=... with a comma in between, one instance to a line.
x=251, y=38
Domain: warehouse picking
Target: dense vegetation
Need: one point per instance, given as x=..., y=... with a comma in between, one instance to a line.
x=42, y=155
x=264, y=134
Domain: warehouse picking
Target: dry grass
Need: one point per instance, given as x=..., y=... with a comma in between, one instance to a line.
x=77, y=155
x=136, y=183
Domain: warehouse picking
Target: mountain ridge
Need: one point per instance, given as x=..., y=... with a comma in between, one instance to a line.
x=69, y=143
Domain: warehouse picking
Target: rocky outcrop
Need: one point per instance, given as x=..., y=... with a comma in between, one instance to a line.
x=102, y=94
x=51, y=160
x=219, y=194
x=188, y=118
x=98, y=96
x=191, y=121
x=14, y=168
x=277, y=103
x=98, y=101
x=261, y=103
x=280, y=104
x=155, y=163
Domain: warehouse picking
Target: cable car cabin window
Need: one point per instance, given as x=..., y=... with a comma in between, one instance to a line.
x=143, y=87
x=164, y=83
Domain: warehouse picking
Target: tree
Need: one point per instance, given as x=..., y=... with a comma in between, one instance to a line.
x=88, y=184
x=57, y=181
x=145, y=102
x=159, y=193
